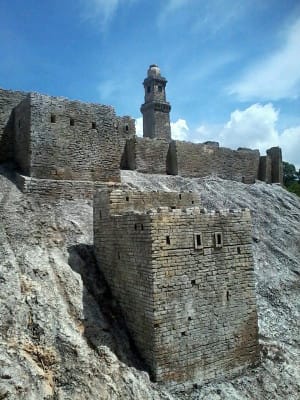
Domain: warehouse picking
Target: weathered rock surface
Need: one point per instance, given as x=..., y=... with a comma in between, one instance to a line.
x=61, y=333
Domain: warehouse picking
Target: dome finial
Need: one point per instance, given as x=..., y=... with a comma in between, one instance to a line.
x=153, y=70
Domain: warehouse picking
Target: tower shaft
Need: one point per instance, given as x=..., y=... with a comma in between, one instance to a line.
x=156, y=110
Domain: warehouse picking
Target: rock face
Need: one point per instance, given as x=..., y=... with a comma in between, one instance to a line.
x=61, y=332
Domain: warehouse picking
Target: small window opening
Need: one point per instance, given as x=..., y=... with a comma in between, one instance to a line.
x=142, y=227
x=148, y=89
x=193, y=282
x=198, y=241
x=218, y=239
x=168, y=240
x=72, y=122
x=127, y=198
x=94, y=125
x=173, y=207
x=179, y=196
x=227, y=295
x=53, y=119
x=195, y=386
x=189, y=318
x=238, y=250
x=192, y=201
x=159, y=88
x=100, y=214
x=135, y=227
x=19, y=123
x=183, y=333
x=119, y=256
x=126, y=128
x=156, y=325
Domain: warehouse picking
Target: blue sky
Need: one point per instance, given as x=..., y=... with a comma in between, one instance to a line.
x=233, y=66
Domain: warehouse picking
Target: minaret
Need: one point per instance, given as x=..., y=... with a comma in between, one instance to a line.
x=156, y=110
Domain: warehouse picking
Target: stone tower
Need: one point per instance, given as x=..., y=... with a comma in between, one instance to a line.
x=184, y=278
x=156, y=110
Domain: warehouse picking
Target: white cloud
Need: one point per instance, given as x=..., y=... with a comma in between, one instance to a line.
x=275, y=77
x=139, y=126
x=101, y=11
x=290, y=144
x=179, y=129
x=255, y=127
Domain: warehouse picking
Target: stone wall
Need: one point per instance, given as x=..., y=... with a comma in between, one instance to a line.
x=22, y=136
x=59, y=189
x=8, y=100
x=123, y=248
x=184, y=279
x=265, y=169
x=146, y=155
x=276, y=164
x=71, y=140
x=197, y=160
x=205, y=321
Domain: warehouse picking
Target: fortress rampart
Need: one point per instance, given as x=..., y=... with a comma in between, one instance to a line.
x=54, y=138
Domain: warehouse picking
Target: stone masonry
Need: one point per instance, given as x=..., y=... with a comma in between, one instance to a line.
x=156, y=110
x=57, y=138
x=54, y=138
x=184, y=279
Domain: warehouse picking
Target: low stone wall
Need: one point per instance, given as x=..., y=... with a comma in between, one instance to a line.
x=146, y=155
x=265, y=169
x=199, y=159
x=60, y=189
x=276, y=164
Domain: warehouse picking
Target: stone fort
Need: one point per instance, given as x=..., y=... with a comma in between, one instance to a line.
x=58, y=139
x=183, y=276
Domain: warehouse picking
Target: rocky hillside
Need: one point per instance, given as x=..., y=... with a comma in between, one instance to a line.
x=61, y=333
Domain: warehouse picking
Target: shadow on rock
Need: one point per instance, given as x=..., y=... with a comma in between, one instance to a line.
x=103, y=321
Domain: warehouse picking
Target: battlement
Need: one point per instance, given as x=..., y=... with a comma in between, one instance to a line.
x=184, y=279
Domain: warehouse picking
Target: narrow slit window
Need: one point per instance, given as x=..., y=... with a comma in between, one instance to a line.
x=135, y=227
x=159, y=88
x=94, y=125
x=72, y=122
x=198, y=242
x=238, y=250
x=179, y=196
x=142, y=227
x=168, y=241
x=53, y=119
x=227, y=295
x=127, y=198
x=19, y=124
x=218, y=240
x=148, y=89
x=126, y=128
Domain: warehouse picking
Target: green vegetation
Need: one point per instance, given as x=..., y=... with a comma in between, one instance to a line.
x=291, y=178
